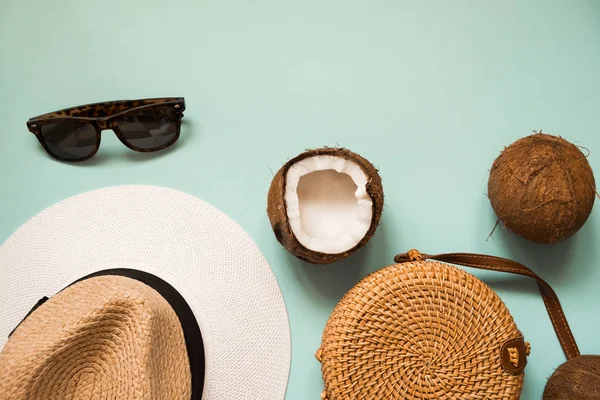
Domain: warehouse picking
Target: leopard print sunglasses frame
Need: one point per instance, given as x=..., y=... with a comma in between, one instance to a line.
x=145, y=125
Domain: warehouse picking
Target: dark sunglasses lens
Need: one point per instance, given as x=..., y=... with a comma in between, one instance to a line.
x=70, y=140
x=150, y=129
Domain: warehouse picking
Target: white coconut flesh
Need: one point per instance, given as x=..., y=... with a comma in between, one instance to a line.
x=327, y=204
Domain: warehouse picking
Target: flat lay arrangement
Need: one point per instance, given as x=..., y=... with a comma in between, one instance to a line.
x=271, y=245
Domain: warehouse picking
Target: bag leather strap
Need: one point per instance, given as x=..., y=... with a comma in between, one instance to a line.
x=555, y=311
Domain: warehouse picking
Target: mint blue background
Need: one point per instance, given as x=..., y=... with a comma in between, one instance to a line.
x=429, y=91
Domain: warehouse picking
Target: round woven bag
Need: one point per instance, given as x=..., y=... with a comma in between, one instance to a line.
x=425, y=330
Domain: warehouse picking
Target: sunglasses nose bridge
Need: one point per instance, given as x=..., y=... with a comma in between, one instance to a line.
x=104, y=123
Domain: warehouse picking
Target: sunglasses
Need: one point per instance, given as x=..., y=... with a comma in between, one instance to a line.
x=145, y=125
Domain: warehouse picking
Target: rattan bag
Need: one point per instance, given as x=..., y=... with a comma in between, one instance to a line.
x=428, y=330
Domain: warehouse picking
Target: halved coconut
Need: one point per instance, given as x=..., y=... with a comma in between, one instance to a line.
x=325, y=204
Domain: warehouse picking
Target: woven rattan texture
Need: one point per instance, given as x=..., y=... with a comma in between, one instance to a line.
x=108, y=337
x=418, y=330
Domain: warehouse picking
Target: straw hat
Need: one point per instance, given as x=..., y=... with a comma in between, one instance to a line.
x=153, y=294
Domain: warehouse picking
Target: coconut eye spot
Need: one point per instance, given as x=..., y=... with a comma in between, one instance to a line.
x=327, y=204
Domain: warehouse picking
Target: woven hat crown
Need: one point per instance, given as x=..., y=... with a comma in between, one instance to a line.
x=104, y=337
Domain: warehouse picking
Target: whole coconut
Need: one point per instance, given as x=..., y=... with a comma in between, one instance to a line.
x=577, y=379
x=542, y=188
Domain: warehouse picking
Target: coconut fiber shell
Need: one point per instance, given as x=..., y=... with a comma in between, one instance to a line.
x=577, y=379
x=277, y=212
x=542, y=188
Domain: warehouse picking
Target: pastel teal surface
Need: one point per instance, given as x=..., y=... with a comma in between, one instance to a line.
x=429, y=91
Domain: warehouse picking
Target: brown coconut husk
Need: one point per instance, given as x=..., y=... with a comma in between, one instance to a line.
x=276, y=206
x=542, y=188
x=577, y=379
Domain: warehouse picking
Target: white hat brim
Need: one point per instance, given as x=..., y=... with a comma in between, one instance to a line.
x=199, y=250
